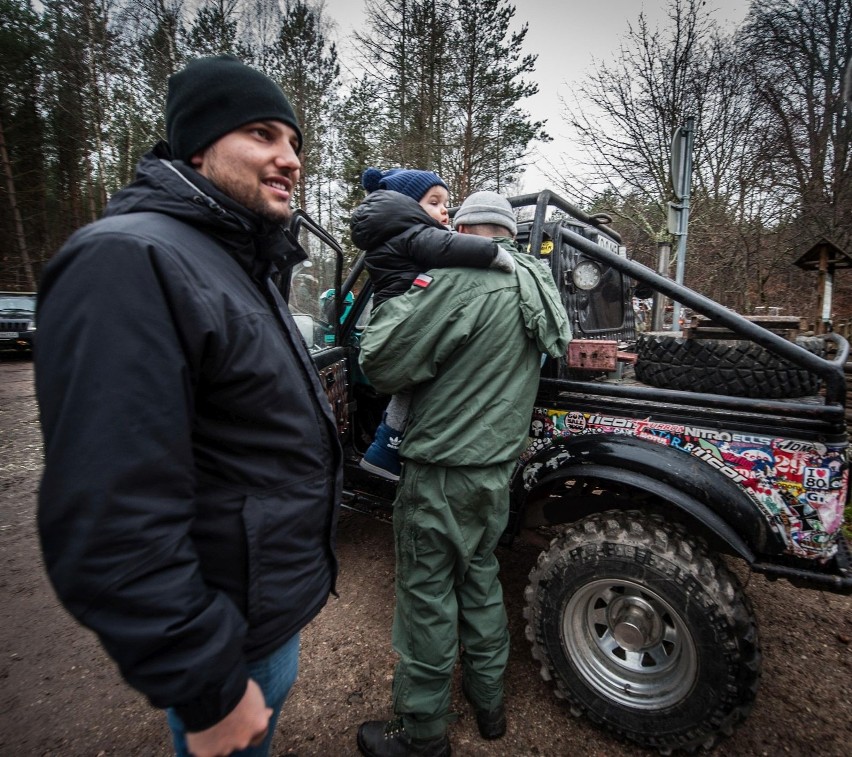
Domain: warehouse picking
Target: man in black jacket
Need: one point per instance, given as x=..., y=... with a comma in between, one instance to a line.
x=192, y=468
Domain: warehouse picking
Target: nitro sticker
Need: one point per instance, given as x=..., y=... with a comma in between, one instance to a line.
x=799, y=486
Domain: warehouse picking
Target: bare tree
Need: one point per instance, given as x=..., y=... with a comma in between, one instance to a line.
x=798, y=51
x=624, y=114
x=260, y=24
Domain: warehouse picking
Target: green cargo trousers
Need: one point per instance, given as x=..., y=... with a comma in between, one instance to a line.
x=447, y=522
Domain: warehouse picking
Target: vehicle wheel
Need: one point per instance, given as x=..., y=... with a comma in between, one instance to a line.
x=734, y=368
x=644, y=631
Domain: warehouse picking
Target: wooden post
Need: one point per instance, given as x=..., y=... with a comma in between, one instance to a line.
x=825, y=258
x=821, y=277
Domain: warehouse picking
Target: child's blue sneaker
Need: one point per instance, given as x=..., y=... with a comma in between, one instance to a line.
x=382, y=458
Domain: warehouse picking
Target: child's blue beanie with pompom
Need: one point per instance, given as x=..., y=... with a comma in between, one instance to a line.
x=408, y=181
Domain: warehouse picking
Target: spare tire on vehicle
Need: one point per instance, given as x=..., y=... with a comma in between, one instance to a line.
x=735, y=368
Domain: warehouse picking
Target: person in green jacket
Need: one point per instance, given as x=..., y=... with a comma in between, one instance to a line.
x=468, y=344
x=401, y=226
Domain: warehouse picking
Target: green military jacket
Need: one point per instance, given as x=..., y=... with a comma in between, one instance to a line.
x=467, y=343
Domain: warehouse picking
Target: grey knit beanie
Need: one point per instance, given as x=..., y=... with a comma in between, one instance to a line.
x=486, y=207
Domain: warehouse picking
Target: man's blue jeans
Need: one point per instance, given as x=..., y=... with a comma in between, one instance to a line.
x=275, y=674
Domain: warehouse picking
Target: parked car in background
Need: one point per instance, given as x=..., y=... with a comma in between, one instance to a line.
x=17, y=321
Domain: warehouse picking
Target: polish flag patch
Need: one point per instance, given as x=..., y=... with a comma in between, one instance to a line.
x=422, y=281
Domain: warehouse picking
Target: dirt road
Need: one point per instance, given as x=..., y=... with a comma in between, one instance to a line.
x=60, y=695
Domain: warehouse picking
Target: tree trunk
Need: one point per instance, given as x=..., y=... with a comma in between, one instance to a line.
x=97, y=201
x=25, y=268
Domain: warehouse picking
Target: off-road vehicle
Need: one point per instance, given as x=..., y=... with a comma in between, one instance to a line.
x=640, y=476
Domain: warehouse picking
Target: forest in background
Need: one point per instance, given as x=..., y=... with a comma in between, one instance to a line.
x=441, y=84
x=84, y=85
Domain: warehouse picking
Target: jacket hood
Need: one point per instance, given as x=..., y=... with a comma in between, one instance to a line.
x=543, y=313
x=385, y=214
x=171, y=187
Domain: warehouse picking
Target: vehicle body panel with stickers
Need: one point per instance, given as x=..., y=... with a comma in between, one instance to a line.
x=652, y=458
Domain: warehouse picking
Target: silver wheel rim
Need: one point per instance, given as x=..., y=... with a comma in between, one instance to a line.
x=629, y=644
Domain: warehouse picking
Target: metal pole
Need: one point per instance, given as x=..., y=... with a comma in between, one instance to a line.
x=659, y=301
x=686, y=134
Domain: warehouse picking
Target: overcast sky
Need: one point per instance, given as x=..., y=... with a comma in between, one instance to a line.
x=568, y=36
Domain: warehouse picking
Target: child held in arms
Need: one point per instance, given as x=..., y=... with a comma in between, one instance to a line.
x=402, y=226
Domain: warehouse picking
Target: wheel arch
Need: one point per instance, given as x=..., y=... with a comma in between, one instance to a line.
x=546, y=489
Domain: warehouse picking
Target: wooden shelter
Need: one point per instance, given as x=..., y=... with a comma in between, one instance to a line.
x=825, y=257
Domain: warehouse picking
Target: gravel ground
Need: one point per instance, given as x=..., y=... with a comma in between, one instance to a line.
x=60, y=695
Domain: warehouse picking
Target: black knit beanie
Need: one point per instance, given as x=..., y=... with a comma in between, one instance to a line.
x=213, y=96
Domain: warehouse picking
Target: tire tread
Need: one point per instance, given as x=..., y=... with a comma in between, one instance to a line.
x=673, y=544
x=735, y=368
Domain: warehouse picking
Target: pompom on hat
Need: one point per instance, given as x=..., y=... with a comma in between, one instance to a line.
x=408, y=181
x=211, y=97
x=486, y=207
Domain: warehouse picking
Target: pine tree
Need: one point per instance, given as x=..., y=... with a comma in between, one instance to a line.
x=135, y=118
x=407, y=54
x=452, y=75
x=214, y=30
x=306, y=67
x=490, y=131
x=361, y=127
x=68, y=122
x=160, y=53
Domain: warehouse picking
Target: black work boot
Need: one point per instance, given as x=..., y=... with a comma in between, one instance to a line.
x=380, y=738
x=492, y=723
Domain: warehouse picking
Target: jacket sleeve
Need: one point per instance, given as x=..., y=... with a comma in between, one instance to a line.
x=545, y=317
x=431, y=247
x=409, y=337
x=395, y=222
x=117, y=503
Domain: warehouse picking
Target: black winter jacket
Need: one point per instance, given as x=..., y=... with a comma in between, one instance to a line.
x=192, y=468
x=402, y=240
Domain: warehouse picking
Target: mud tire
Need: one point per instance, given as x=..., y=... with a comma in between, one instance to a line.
x=733, y=368
x=683, y=682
